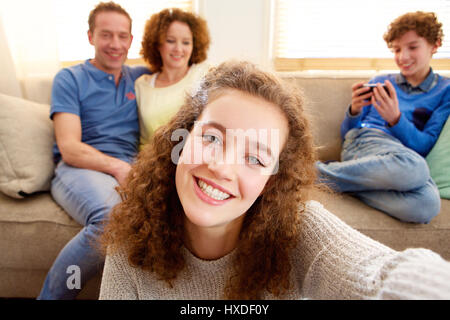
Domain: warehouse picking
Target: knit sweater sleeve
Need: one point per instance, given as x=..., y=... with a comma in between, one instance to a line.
x=118, y=280
x=341, y=263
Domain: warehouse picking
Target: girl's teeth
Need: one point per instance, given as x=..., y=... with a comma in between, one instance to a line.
x=212, y=192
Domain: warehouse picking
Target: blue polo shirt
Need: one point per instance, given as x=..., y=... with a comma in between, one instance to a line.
x=108, y=113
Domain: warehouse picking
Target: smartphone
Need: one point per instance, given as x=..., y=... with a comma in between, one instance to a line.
x=373, y=85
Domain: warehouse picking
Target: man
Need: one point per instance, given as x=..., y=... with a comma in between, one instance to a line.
x=96, y=127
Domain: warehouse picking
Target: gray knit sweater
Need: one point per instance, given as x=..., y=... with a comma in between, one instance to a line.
x=333, y=261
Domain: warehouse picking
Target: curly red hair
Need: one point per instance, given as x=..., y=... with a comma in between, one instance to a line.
x=149, y=220
x=156, y=29
x=425, y=24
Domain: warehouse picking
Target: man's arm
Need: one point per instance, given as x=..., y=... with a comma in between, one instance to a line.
x=79, y=154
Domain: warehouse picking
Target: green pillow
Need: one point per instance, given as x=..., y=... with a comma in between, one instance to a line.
x=439, y=162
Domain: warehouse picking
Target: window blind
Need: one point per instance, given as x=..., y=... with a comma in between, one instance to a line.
x=72, y=16
x=346, y=28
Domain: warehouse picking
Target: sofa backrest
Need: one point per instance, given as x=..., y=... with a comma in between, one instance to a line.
x=327, y=99
x=37, y=89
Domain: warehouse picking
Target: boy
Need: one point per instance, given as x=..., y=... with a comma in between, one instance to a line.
x=389, y=130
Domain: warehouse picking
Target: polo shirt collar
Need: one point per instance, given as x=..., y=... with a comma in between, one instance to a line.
x=98, y=74
x=426, y=84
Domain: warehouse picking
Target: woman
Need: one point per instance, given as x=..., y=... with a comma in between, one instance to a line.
x=175, y=46
x=230, y=216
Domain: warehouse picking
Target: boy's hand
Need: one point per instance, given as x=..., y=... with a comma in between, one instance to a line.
x=386, y=104
x=360, y=98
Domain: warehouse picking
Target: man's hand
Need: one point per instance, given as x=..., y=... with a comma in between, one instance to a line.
x=386, y=104
x=120, y=170
x=360, y=98
x=81, y=155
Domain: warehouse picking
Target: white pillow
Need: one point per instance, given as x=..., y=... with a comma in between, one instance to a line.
x=26, y=142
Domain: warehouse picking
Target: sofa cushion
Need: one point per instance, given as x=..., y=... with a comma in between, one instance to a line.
x=439, y=162
x=26, y=142
x=387, y=230
x=32, y=233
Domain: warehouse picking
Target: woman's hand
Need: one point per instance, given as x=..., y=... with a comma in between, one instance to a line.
x=360, y=98
x=386, y=102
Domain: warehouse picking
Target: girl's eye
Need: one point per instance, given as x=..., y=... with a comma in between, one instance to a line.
x=254, y=160
x=210, y=138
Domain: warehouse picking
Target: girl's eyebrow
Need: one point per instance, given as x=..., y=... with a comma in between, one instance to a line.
x=214, y=124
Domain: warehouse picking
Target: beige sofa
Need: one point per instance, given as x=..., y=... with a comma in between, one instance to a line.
x=34, y=229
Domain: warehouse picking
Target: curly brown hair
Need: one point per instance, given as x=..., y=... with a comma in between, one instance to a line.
x=156, y=29
x=148, y=223
x=425, y=24
x=106, y=7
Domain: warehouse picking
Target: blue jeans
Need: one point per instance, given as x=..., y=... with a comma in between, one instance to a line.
x=88, y=196
x=378, y=169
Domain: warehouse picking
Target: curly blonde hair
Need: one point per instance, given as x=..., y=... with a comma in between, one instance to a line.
x=156, y=29
x=149, y=220
x=425, y=24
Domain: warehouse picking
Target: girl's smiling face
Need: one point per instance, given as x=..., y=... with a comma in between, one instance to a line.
x=227, y=159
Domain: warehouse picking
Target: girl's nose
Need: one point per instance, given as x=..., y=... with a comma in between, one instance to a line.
x=221, y=171
x=219, y=167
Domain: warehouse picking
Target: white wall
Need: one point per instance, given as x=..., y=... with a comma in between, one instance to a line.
x=239, y=29
x=8, y=80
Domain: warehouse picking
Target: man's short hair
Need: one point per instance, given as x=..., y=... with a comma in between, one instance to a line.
x=106, y=7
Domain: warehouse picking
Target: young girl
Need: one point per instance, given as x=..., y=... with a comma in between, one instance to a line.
x=224, y=211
